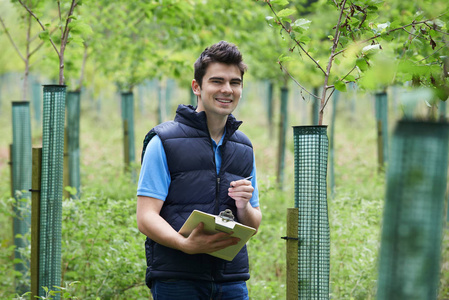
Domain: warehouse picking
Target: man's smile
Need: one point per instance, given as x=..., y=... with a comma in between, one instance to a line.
x=223, y=100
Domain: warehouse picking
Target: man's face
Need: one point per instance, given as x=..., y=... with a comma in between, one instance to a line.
x=221, y=90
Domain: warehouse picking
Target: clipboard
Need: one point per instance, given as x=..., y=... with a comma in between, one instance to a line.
x=224, y=222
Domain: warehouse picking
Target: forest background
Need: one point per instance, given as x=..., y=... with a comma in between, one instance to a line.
x=148, y=47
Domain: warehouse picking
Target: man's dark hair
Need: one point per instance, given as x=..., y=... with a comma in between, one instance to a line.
x=222, y=52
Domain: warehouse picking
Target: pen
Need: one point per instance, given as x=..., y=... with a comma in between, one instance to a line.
x=247, y=178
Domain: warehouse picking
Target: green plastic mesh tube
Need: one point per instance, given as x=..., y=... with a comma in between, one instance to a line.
x=409, y=263
x=282, y=135
x=21, y=175
x=37, y=95
x=73, y=139
x=51, y=187
x=128, y=115
x=311, y=151
x=381, y=107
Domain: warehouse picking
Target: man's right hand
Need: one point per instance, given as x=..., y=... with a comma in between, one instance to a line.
x=201, y=242
x=156, y=228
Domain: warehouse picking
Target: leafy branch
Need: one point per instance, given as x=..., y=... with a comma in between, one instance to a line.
x=297, y=83
x=65, y=30
x=288, y=30
x=40, y=24
x=329, y=64
x=414, y=23
x=352, y=25
x=11, y=39
x=26, y=55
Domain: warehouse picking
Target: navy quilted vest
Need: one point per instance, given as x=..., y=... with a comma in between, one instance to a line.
x=196, y=185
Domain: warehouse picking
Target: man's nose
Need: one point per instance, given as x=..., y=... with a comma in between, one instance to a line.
x=226, y=88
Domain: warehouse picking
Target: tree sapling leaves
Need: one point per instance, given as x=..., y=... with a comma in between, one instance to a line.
x=279, y=2
x=285, y=13
x=340, y=86
x=362, y=64
x=301, y=25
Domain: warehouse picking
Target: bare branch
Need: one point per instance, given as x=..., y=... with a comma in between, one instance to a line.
x=285, y=70
x=35, y=49
x=353, y=68
x=38, y=21
x=330, y=95
x=11, y=40
x=415, y=35
x=60, y=17
x=297, y=42
x=83, y=66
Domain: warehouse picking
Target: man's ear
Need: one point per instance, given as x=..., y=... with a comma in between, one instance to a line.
x=196, y=88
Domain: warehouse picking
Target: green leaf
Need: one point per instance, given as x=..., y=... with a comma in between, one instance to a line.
x=387, y=37
x=279, y=2
x=17, y=261
x=304, y=39
x=362, y=64
x=285, y=12
x=72, y=190
x=371, y=49
x=44, y=35
x=350, y=78
x=395, y=24
x=340, y=86
x=301, y=23
x=284, y=58
x=81, y=28
x=442, y=93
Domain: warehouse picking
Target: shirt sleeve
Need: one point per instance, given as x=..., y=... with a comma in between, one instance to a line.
x=154, y=178
x=254, y=201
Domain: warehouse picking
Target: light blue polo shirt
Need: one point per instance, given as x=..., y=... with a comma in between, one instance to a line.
x=154, y=179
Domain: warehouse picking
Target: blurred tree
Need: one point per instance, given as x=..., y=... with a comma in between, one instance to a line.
x=25, y=49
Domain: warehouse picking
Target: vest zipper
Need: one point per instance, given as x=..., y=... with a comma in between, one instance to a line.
x=217, y=193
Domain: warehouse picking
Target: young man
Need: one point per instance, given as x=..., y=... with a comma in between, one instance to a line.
x=199, y=161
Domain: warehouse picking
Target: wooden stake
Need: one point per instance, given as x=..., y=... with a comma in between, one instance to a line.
x=292, y=253
x=35, y=220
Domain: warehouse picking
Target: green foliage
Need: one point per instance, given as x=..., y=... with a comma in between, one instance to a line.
x=97, y=232
x=103, y=252
x=365, y=43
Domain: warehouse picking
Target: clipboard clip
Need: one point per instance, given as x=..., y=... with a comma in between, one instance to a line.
x=226, y=215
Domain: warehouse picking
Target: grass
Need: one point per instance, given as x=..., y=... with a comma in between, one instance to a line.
x=103, y=250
